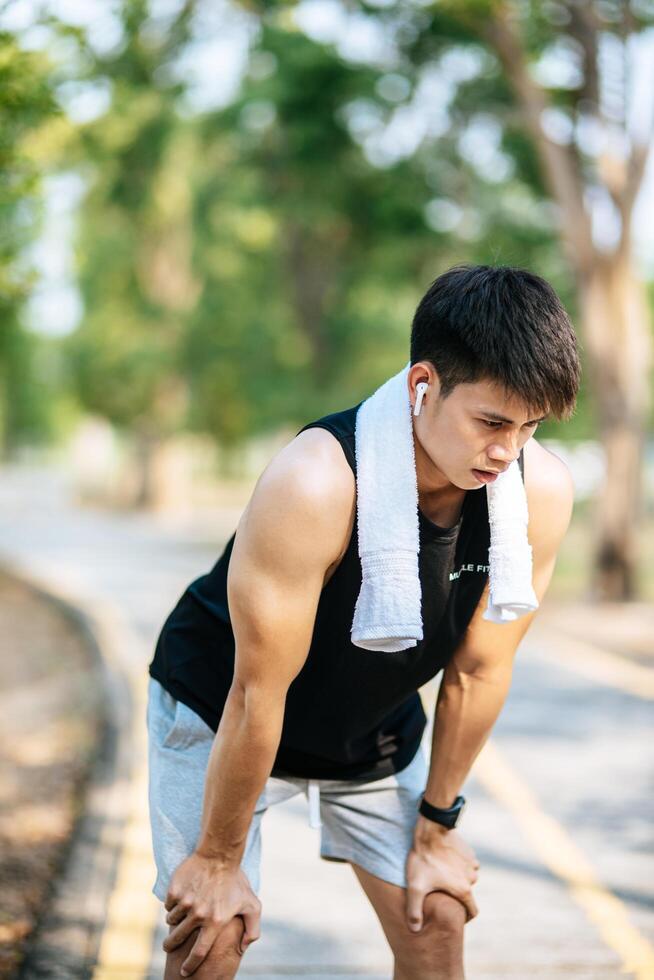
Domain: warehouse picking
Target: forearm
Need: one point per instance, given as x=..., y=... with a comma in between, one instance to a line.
x=467, y=708
x=241, y=759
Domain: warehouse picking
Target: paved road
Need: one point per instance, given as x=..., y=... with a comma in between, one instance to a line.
x=560, y=801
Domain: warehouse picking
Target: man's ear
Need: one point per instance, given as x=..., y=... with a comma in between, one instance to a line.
x=433, y=377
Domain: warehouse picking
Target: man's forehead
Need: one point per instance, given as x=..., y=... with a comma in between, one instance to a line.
x=492, y=399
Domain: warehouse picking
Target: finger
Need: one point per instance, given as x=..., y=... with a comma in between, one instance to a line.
x=467, y=899
x=252, y=932
x=171, y=901
x=200, y=951
x=471, y=906
x=414, y=905
x=180, y=933
x=175, y=916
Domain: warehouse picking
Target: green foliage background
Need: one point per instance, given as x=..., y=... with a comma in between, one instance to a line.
x=259, y=264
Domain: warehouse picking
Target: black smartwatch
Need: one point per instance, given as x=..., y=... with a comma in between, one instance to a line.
x=447, y=816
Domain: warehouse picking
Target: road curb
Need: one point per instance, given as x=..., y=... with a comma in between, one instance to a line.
x=67, y=936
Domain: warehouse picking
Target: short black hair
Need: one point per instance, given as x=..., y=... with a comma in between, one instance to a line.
x=504, y=324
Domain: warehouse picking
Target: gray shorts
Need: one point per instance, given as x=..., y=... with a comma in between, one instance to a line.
x=369, y=823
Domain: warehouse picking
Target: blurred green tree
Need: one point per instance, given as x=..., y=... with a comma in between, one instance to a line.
x=27, y=105
x=313, y=249
x=306, y=251
x=134, y=235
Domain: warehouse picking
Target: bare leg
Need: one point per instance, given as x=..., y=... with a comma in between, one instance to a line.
x=436, y=952
x=223, y=961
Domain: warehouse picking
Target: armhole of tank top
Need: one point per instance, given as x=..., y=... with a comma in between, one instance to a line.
x=521, y=464
x=344, y=443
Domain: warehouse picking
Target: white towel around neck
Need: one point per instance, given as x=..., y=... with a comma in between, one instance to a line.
x=387, y=614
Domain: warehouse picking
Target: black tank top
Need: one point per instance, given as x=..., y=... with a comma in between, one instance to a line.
x=350, y=713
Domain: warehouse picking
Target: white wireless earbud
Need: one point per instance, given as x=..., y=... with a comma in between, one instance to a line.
x=421, y=388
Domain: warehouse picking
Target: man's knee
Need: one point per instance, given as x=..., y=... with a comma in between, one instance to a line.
x=221, y=963
x=444, y=913
x=440, y=939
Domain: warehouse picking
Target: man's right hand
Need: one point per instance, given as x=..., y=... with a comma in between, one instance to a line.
x=203, y=894
x=440, y=860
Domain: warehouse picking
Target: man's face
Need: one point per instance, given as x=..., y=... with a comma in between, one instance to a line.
x=465, y=433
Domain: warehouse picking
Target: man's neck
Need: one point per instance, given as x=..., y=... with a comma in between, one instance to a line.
x=439, y=499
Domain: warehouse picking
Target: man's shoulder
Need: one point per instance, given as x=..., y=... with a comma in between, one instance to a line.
x=545, y=472
x=550, y=493
x=319, y=455
x=308, y=483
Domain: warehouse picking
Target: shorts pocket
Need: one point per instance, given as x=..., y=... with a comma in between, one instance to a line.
x=187, y=729
x=171, y=723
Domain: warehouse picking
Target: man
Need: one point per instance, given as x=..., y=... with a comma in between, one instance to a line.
x=260, y=648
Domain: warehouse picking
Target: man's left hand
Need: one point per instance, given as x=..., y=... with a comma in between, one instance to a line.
x=439, y=861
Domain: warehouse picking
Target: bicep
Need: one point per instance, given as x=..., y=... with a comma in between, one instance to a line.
x=284, y=544
x=272, y=609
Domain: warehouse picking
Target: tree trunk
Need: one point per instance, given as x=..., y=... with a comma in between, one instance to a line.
x=616, y=325
x=311, y=279
x=616, y=321
x=145, y=449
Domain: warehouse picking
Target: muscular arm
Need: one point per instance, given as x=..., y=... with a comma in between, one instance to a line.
x=289, y=535
x=473, y=690
x=477, y=680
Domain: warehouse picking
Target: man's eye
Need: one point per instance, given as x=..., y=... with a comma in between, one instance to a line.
x=492, y=425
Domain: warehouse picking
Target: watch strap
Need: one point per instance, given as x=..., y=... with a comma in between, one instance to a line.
x=446, y=816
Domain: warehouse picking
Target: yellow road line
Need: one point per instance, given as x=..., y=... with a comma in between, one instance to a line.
x=596, y=663
x=563, y=857
x=132, y=912
x=125, y=951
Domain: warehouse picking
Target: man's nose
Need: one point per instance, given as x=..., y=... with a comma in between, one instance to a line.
x=506, y=450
